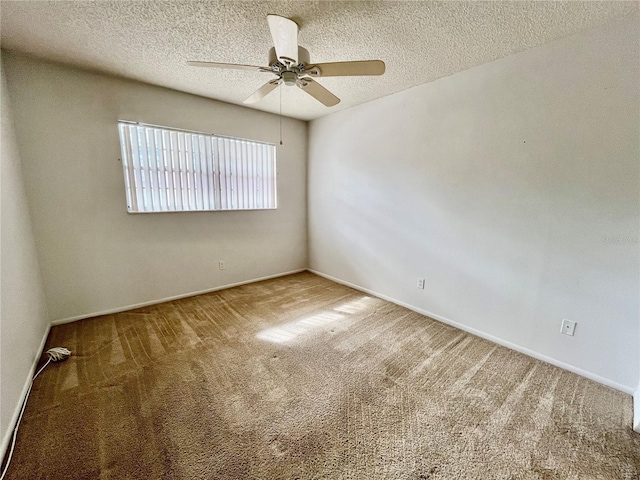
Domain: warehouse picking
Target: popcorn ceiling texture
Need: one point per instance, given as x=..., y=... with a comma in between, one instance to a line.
x=150, y=41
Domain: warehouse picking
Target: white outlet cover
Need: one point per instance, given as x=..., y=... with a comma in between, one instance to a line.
x=568, y=327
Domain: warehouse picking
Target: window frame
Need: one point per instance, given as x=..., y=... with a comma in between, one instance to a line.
x=242, y=172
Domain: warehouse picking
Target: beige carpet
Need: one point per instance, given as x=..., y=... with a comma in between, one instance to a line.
x=302, y=378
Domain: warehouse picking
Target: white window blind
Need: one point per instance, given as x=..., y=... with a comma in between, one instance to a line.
x=171, y=170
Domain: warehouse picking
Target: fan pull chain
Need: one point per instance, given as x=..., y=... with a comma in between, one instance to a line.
x=280, y=114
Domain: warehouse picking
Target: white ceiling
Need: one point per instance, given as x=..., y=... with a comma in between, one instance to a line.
x=150, y=41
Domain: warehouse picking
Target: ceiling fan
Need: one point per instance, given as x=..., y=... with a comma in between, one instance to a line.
x=292, y=65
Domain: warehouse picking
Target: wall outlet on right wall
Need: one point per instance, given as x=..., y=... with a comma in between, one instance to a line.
x=568, y=327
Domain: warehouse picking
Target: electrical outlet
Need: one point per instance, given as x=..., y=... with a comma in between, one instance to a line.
x=568, y=327
x=221, y=265
x=421, y=283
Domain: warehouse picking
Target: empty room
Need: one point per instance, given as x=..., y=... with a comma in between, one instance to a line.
x=320, y=240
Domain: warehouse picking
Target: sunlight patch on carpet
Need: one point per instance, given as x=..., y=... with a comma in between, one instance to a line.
x=290, y=331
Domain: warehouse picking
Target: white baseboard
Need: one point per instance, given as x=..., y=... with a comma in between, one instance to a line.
x=636, y=410
x=169, y=299
x=6, y=439
x=486, y=336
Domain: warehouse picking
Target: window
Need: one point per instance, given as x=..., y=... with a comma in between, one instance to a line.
x=171, y=170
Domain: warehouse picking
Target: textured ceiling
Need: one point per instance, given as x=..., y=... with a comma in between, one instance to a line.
x=150, y=41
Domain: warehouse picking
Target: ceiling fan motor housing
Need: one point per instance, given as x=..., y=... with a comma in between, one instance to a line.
x=303, y=56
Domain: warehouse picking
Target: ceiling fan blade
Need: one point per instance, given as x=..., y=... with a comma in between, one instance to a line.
x=346, y=69
x=318, y=92
x=228, y=65
x=263, y=91
x=285, y=38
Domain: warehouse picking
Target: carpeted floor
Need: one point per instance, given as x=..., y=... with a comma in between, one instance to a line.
x=302, y=378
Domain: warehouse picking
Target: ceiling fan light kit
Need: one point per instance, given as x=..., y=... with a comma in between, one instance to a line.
x=292, y=65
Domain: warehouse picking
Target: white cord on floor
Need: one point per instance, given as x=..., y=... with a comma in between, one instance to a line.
x=55, y=354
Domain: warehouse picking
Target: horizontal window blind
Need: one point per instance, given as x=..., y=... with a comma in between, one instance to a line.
x=171, y=170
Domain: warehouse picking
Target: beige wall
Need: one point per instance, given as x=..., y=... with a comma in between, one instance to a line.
x=96, y=257
x=513, y=188
x=23, y=314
